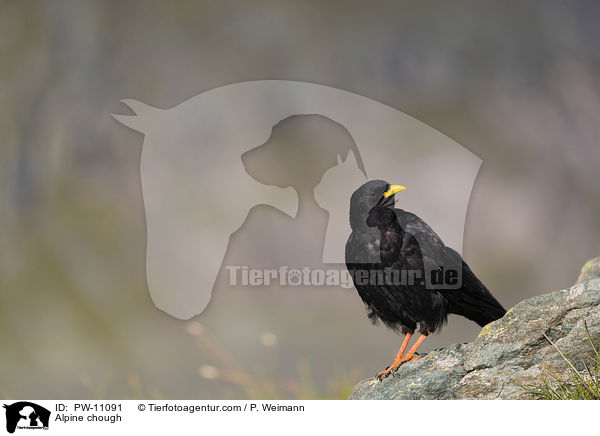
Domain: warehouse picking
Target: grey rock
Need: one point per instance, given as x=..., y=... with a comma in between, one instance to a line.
x=507, y=353
x=589, y=271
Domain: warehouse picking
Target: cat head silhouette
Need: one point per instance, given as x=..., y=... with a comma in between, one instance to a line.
x=338, y=183
x=333, y=194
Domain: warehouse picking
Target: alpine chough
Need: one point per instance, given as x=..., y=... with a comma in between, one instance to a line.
x=386, y=244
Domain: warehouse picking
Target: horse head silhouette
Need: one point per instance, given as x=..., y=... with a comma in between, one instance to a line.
x=196, y=194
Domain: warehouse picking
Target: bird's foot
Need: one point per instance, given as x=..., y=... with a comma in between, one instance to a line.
x=393, y=368
x=390, y=370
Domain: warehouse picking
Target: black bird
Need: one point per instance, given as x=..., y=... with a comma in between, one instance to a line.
x=393, y=257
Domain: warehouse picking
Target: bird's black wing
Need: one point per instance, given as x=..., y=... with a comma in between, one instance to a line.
x=434, y=252
x=471, y=298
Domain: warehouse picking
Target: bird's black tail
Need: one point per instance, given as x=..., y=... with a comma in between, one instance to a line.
x=473, y=300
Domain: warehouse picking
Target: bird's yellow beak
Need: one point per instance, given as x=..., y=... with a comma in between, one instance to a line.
x=394, y=189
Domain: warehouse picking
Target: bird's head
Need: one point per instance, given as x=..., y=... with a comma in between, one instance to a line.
x=373, y=194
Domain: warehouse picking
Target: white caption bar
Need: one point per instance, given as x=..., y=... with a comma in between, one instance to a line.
x=296, y=417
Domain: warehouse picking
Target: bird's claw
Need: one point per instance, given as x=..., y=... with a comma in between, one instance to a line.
x=393, y=368
x=381, y=375
x=390, y=370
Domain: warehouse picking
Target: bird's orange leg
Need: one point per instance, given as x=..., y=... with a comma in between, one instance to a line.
x=409, y=356
x=397, y=360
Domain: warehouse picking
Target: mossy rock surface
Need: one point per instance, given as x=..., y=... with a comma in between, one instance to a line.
x=589, y=271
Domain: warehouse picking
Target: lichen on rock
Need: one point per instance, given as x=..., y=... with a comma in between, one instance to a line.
x=589, y=271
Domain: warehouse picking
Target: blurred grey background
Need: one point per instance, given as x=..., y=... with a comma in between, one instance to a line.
x=516, y=83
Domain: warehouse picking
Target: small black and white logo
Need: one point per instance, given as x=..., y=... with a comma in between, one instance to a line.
x=26, y=415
